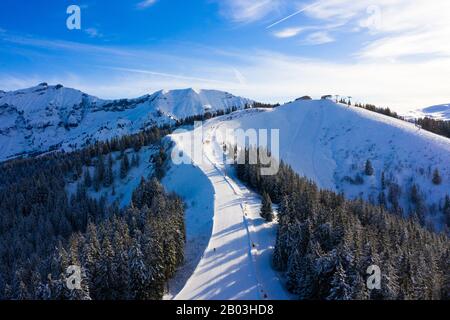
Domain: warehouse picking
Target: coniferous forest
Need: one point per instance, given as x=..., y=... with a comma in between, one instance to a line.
x=326, y=243
x=123, y=254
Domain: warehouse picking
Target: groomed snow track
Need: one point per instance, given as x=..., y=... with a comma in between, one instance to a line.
x=236, y=264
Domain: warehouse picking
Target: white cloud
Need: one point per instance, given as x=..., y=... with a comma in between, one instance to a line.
x=69, y=46
x=399, y=85
x=146, y=4
x=93, y=33
x=244, y=11
x=317, y=38
x=264, y=76
x=111, y=72
x=288, y=32
x=403, y=28
x=320, y=33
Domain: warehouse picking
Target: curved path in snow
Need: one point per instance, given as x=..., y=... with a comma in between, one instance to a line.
x=236, y=265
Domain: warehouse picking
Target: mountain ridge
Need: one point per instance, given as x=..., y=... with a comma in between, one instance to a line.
x=47, y=117
x=437, y=112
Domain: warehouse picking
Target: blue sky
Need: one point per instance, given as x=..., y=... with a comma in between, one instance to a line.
x=389, y=52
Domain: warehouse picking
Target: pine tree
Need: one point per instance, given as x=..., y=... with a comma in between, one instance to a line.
x=437, y=179
x=359, y=288
x=389, y=281
x=266, y=209
x=99, y=174
x=383, y=181
x=42, y=291
x=120, y=242
x=446, y=211
x=109, y=175
x=415, y=195
x=87, y=179
x=138, y=272
x=22, y=292
x=135, y=160
x=124, y=167
x=369, y=168
x=340, y=289
x=301, y=277
x=104, y=281
x=382, y=199
x=91, y=257
x=138, y=160
x=445, y=290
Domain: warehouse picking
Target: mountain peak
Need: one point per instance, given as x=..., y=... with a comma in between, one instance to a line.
x=46, y=117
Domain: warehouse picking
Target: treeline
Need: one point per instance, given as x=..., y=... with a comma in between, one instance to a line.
x=60, y=163
x=325, y=243
x=265, y=105
x=38, y=216
x=386, y=111
x=440, y=127
x=208, y=115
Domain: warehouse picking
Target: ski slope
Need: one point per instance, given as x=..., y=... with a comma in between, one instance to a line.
x=236, y=263
x=330, y=143
x=321, y=140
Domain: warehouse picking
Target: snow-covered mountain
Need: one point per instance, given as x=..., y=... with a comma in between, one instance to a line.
x=44, y=117
x=330, y=143
x=439, y=112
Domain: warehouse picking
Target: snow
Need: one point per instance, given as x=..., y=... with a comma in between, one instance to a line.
x=187, y=102
x=439, y=112
x=123, y=187
x=196, y=190
x=330, y=143
x=236, y=264
x=229, y=246
x=43, y=118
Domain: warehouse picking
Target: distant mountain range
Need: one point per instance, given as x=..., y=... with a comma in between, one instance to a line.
x=46, y=117
x=438, y=112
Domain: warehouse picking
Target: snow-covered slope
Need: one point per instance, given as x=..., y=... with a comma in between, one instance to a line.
x=236, y=262
x=44, y=117
x=330, y=144
x=439, y=112
x=184, y=103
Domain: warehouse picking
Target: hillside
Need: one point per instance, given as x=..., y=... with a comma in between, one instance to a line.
x=331, y=143
x=44, y=117
x=235, y=262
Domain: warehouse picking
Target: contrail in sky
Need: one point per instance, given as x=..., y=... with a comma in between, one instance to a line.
x=293, y=15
